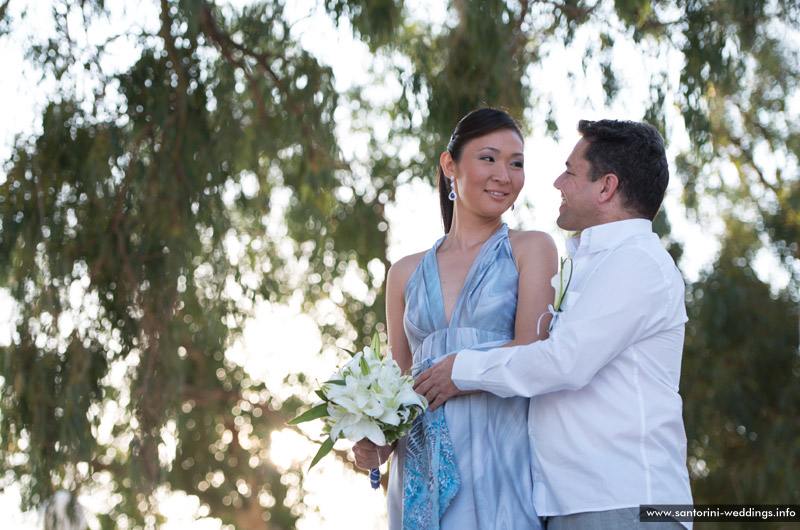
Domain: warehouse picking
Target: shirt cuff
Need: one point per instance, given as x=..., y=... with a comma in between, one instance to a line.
x=465, y=370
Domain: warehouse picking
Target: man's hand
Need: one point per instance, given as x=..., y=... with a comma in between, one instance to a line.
x=435, y=383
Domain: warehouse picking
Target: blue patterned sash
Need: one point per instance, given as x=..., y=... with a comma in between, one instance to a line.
x=430, y=475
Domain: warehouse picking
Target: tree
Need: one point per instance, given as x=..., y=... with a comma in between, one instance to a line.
x=740, y=375
x=135, y=230
x=133, y=238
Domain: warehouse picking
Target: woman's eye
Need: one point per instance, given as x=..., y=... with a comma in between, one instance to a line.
x=487, y=158
x=518, y=164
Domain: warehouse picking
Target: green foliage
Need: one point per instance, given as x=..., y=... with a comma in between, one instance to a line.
x=375, y=21
x=741, y=384
x=739, y=76
x=117, y=244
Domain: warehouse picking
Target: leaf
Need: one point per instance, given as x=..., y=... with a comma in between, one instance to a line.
x=364, y=366
x=350, y=352
x=321, y=395
x=320, y=411
x=324, y=449
x=375, y=344
x=340, y=382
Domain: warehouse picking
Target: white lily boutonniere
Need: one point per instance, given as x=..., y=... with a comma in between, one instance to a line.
x=560, y=283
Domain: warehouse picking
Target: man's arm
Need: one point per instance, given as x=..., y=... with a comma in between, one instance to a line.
x=625, y=300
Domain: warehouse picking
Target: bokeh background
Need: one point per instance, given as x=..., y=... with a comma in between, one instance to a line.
x=199, y=201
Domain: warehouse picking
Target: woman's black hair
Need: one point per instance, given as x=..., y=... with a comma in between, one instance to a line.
x=474, y=125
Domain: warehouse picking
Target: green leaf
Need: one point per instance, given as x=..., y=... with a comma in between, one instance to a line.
x=321, y=395
x=320, y=411
x=375, y=345
x=340, y=382
x=351, y=353
x=324, y=449
x=364, y=366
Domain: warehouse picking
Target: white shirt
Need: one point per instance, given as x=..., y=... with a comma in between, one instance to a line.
x=606, y=424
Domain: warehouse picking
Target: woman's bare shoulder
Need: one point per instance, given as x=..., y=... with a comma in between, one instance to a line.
x=530, y=242
x=401, y=270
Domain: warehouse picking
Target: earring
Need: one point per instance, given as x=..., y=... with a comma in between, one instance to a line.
x=452, y=196
x=513, y=206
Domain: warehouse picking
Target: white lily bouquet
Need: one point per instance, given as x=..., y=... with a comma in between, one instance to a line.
x=368, y=397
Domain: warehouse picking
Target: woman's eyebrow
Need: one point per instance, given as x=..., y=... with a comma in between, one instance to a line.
x=496, y=150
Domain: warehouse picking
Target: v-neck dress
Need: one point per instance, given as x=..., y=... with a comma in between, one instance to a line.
x=489, y=434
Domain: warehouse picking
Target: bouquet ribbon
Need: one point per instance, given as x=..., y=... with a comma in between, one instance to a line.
x=375, y=478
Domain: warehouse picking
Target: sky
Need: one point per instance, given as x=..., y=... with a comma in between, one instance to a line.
x=343, y=498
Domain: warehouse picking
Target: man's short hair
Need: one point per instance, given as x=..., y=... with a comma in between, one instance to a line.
x=635, y=153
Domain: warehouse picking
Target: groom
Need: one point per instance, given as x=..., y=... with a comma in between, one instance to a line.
x=606, y=421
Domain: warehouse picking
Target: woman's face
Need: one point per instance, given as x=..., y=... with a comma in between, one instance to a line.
x=490, y=173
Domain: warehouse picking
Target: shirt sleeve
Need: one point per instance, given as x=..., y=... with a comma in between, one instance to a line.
x=625, y=300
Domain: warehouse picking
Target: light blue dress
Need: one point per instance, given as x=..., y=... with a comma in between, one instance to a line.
x=489, y=434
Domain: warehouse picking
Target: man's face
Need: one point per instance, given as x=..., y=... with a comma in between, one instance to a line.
x=579, y=208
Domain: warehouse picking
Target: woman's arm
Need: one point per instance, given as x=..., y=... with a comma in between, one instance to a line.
x=367, y=454
x=537, y=262
x=396, y=281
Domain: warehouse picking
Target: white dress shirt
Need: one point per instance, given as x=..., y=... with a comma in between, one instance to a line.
x=606, y=425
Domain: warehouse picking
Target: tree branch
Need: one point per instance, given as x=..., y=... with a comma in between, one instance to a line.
x=579, y=14
x=116, y=218
x=752, y=163
x=519, y=38
x=180, y=93
x=224, y=42
x=3, y=9
x=217, y=37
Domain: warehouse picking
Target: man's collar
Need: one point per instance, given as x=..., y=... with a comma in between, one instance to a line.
x=602, y=237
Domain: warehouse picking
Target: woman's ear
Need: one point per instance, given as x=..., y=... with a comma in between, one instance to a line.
x=448, y=164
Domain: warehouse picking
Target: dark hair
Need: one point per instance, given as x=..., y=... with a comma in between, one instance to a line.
x=474, y=125
x=634, y=152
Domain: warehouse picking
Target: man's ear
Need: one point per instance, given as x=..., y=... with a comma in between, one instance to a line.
x=447, y=163
x=610, y=185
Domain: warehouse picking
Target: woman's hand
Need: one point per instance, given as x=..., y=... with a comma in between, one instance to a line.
x=369, y=456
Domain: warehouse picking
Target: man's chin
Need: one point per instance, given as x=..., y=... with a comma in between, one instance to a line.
x=563, y=223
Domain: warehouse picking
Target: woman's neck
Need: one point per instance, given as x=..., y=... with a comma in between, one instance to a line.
x=468, y=233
